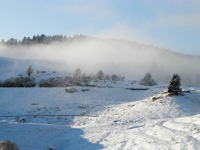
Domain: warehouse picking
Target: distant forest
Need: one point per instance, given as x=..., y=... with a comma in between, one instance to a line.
x=41, y=39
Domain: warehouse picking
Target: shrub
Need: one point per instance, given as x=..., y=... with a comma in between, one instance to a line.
x=19, y=82
x=147, y=80
x=56, y=82
x=7, y=145
x=46, y=83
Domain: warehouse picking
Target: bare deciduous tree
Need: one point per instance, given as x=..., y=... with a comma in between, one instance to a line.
x=77, y=73
x=29, y=71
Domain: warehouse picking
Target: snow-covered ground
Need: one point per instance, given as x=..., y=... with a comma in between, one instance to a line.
x=113, y=116
x=125, y=119
x=17, y=67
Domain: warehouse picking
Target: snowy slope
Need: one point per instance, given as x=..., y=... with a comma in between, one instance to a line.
x=10, y=67
x=168, y=123
x=125, y=119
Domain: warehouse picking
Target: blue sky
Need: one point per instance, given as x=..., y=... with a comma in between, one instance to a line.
x=173, y=24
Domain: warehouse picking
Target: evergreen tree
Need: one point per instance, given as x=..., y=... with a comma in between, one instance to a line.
x=174, y=85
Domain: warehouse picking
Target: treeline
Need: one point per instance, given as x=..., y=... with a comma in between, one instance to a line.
x=41, y=39
x=78, y=79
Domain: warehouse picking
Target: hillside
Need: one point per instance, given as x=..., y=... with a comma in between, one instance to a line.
x=127, y=58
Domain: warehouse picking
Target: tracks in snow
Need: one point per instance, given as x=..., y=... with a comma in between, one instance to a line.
x=142, y=125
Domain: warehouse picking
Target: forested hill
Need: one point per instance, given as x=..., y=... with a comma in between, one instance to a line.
x=42, y=39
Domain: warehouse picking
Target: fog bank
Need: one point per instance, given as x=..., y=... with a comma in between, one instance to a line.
x=130, y=59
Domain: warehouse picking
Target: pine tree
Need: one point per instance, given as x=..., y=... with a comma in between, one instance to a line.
x=174, y=85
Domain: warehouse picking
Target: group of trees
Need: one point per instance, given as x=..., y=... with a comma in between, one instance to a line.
x=41, y=39
x=79, y=78
x=174, y=85
x=99, y=76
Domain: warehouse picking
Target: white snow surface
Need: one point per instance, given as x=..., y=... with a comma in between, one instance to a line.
x=125, y=119
x=112, y=117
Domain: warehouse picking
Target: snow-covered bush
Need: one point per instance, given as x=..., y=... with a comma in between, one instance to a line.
x=147, y=80
x=174, y=85
x=56, y=82
x=46, y=83
x=70, y=90
x=7, y=145
x=19, y=82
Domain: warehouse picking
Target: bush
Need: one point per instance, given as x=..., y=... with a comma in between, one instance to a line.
x=147, y=80
x=46, y=83
x=7, y=145
x=56, y=82
x=19, y=82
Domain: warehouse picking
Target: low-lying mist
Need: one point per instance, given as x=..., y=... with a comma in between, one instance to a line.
x=129, y=59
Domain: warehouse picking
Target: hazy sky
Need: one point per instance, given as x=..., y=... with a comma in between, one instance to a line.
x=173, y=24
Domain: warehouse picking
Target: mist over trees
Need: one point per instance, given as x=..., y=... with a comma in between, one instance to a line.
x=122, y=57
x=41, y=39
